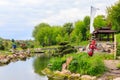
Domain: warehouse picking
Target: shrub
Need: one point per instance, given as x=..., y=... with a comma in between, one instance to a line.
x=105, y=56
x=2, y=47
x=87, y=65
x=65, y=48
x=118, y=50
x=56, y=64
x=23, y=46
x=118, y=44
x=81, y=63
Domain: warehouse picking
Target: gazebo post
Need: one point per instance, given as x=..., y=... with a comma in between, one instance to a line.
x=112, y=36
x=108, y=37
x=115, y=49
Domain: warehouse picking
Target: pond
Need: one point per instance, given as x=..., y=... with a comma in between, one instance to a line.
x=24, y=70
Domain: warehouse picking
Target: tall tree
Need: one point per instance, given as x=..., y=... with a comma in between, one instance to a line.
x=87, y=22
x=38, y=27
x=57, y=35
x=87, y=25
x=100, y=21
x=68, y=27
x=114, y=16
x=42, y=33
x=80, y=29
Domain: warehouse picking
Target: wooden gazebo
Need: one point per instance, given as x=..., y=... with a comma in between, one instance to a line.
x=104, y=34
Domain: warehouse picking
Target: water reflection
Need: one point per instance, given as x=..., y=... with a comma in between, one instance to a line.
x=20, y=70
x=40, y=63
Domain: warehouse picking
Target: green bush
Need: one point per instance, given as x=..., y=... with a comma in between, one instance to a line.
x=105, y=56
x=118, y=50
x=63, y=43
x=87, y=65
x=56, y=63
x=81, y=63
x=118, y=44
x=63, y=49
x=2, y=47
x=23, y=46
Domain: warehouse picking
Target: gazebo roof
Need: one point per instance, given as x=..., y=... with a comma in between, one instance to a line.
x=104, y=30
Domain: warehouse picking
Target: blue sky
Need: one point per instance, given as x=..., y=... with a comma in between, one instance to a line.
x=18, y=17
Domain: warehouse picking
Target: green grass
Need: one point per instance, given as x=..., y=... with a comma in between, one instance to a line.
x=5, y=52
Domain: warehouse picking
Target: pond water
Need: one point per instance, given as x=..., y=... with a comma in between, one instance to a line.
x=21, y=70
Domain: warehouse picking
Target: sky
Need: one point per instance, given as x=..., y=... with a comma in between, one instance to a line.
x=19, y=17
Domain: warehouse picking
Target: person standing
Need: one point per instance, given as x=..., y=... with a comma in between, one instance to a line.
x=13, y=46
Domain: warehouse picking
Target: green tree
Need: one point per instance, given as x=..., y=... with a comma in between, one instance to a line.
x=87, y=25
x=38, y=27
x=68, y=28
x=42, y=33
x=100, y=21
x=80, y=29
x=1, y=44
x=114, y=16
x=87, y=22
x=57, y=34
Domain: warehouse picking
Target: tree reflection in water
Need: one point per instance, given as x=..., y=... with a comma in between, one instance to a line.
x=40, y=63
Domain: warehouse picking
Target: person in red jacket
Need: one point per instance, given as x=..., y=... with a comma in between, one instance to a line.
x=92, y=47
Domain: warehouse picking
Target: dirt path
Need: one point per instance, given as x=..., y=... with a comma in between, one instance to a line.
x=113, y=71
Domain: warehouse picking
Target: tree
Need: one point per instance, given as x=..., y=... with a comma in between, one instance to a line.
x=100, y=21
x=68, y=27
x=48, y=35
x=80, y=28
x=87, y=22
x=87, y=25
x=57, y=35
x=38, y=27
x=114, y=16
x=42, y=33
x=1, y=44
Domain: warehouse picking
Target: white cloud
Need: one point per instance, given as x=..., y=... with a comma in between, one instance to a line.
x=69, y=15
x=30, y=2
x=1, y=24
x=3, y=3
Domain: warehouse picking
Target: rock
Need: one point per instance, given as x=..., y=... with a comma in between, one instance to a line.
x=64, y=66
x=4, y=61
x=67, y=72
x=74, y=76
x=10, y=56
x=47, y=72
x=57, y=75
x=87, y=77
